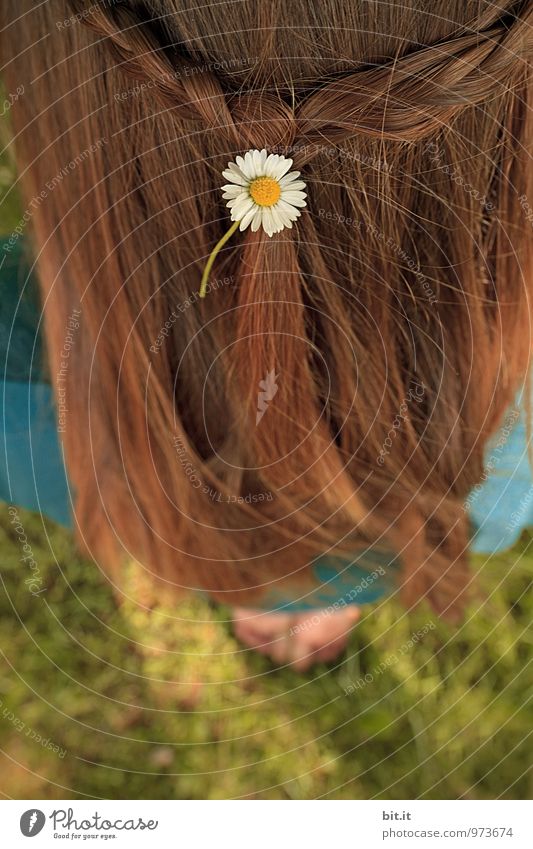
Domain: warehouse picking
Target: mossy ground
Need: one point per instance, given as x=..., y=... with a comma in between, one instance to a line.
x=153, y=700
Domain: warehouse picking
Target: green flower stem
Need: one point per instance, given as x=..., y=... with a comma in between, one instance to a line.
x=212, y=256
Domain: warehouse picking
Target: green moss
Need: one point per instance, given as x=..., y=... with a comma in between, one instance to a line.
x=10, y=206
x=159, y=701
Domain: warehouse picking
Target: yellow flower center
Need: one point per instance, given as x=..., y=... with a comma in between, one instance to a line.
x=265, y=191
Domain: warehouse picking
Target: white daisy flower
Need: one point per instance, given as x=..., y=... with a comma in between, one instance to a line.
x=262, y=192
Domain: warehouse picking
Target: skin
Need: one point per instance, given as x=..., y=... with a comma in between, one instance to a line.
x=297, y=640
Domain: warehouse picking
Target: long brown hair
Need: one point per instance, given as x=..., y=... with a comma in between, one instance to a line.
x=381, y=340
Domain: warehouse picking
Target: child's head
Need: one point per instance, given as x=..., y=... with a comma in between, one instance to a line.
x=337, y=386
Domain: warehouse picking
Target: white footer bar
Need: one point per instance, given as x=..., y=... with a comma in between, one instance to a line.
x=268, y=824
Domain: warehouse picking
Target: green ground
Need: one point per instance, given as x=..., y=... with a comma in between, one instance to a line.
x=135, y=700
x=147, y=701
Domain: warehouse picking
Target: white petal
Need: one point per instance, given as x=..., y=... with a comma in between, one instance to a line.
x=282, y=167
x=235, y=201
x=281, y=214
x=229, y=186
x=243, y=205
x=294, y=198
x=271, y=164
x=246, y=219
x=294, y=185
x=248, y=168
x=231, y=191
x=257, y=220
x=294, y=193
x=290, y=211
x=269, y=223
x=237, y=181
x=235, y=178
x=258, y=162
x=234, y=168
x=278, y=219
x=288, y=178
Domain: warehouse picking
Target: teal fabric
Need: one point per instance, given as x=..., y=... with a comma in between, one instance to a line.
x=501, y=507
x=32, y=473
x=339, y=583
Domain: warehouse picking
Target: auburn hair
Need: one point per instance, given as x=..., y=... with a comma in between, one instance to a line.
x=388, y=331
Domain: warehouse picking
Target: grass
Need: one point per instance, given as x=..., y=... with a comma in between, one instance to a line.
x=10, y=206
x=147, y=700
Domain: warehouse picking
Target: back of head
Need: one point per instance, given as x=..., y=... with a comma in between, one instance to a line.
x=337, y=387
